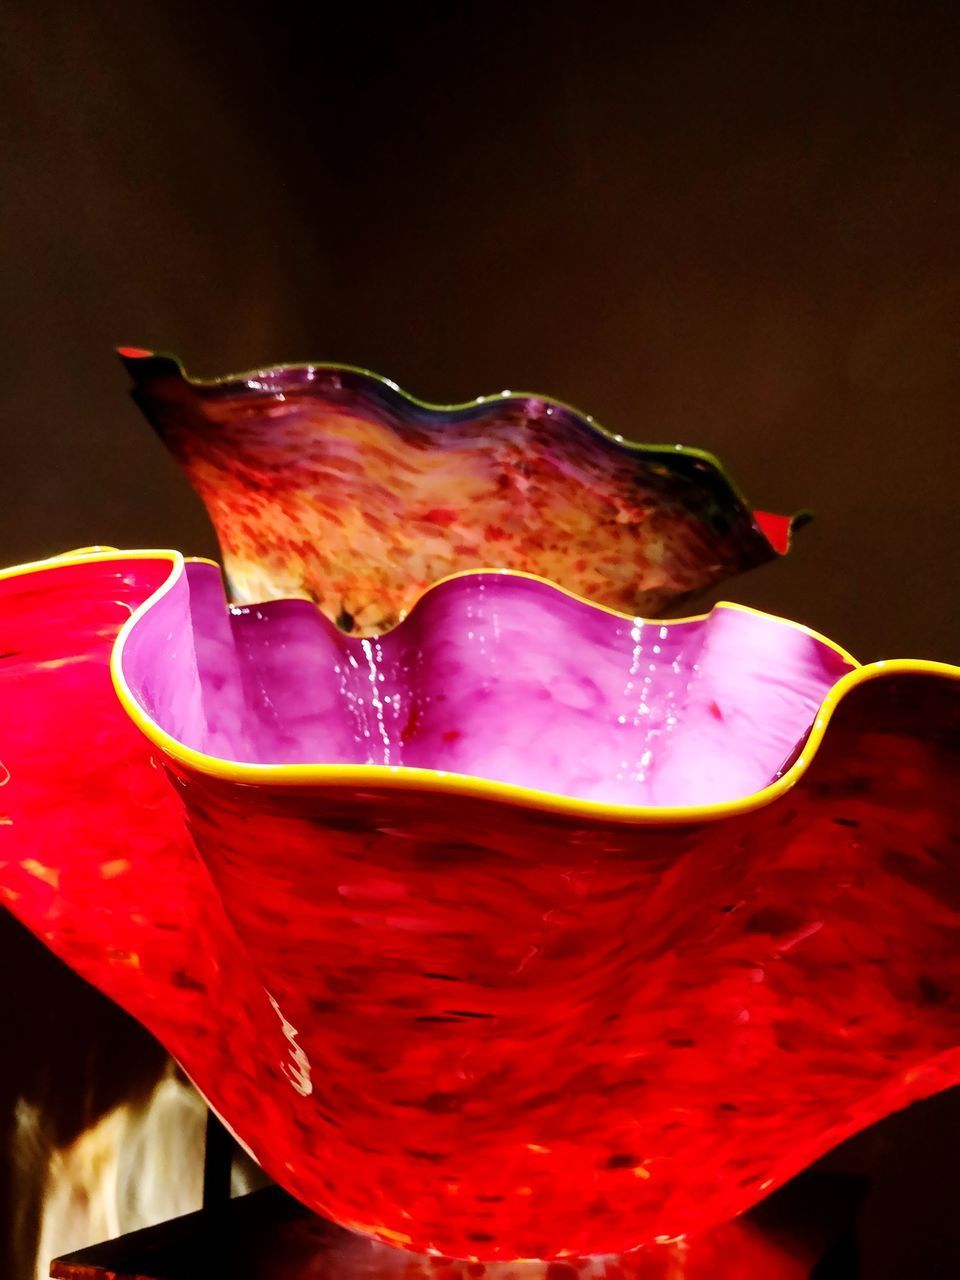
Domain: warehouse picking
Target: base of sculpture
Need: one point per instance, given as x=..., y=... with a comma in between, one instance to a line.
x=804, y=1230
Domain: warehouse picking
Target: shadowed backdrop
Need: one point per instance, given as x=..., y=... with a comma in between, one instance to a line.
x=732, y=226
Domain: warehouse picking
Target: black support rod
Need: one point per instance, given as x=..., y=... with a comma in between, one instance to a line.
x=217, y=1163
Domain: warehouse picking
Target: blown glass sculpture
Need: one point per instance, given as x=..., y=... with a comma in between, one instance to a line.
x=527, y=929
x=330, y=483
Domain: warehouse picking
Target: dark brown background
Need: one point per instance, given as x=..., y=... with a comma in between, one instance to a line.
x=729, y=225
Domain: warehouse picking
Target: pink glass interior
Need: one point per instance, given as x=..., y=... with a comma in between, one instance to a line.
x=492, y=675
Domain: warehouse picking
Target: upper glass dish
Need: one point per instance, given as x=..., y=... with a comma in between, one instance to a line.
x=329, y=483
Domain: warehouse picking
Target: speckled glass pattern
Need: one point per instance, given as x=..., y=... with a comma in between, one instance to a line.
x=331, y=484
x=464, y=1015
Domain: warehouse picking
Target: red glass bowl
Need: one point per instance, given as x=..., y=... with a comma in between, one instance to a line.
x=330, y=483
x=467, y=1016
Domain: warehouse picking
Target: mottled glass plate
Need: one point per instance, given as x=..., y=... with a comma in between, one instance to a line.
x=329, y=483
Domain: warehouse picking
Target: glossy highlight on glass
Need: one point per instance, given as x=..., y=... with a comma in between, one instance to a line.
x=496, y=995
x=329, y=483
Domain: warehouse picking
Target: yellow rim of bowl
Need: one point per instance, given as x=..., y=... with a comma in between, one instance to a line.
x=404, y=777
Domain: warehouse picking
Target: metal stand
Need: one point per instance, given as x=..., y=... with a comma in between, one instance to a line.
x=217, y=1164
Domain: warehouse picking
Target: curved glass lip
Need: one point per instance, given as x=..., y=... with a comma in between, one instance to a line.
x=405, y=777
x=142, y=363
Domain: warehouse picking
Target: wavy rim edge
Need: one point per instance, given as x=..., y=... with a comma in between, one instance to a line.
x=140, y=362
x=406, y=777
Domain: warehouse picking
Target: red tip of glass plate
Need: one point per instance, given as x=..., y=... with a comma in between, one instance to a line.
x=776, y=529
x=133, y=353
